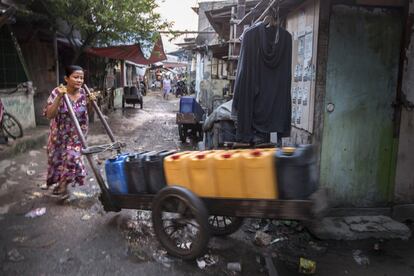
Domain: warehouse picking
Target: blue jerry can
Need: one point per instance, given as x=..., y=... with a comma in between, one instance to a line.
x=115, y=174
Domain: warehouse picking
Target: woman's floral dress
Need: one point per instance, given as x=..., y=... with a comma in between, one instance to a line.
x=65, y=162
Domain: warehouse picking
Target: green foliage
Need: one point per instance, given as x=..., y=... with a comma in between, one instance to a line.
x=102, y=22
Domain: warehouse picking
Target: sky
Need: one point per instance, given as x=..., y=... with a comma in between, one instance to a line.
x=184, y=18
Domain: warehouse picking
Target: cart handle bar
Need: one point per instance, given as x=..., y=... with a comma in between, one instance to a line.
x=102, y=148
x=102, y=118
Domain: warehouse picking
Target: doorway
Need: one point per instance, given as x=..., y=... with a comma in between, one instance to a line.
x=358, y=147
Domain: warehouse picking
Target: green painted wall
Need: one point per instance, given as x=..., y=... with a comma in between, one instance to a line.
x=358, y=148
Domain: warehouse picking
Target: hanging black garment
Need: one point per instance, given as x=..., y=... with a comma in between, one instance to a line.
x=262, y=99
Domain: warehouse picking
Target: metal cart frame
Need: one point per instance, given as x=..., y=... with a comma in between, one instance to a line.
x=189, y=126
x=129, y=98
x=182, y=221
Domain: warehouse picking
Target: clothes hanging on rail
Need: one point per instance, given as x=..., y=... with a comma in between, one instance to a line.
x=262, y=98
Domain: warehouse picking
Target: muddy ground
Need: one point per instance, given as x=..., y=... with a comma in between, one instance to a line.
x=76, y=237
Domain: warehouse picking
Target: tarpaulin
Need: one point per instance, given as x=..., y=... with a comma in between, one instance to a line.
x=132, y=53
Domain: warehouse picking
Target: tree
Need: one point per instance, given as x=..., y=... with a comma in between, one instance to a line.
x=87, y=23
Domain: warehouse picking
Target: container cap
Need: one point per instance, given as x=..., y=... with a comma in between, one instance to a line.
x=175, y=157
x=288, y=150
x=200, y=156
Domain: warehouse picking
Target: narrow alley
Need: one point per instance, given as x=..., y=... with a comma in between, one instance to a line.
x=76, y=237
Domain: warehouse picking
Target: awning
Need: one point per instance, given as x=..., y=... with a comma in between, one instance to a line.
x=131, y=53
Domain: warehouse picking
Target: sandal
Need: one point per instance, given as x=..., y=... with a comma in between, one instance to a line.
x=60, y=191
x=44, y=186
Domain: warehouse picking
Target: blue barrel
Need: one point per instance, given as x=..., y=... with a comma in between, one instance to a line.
x=115, y=174
x=190, y=105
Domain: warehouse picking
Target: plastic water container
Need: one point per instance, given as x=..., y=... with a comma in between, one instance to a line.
x=135, y=173
x=176, y=171
x=154, y=169
x=259, y=174
x=190, y=105
x=228, y=174
x=115, y=174
x=201, y=173
x=296, y=172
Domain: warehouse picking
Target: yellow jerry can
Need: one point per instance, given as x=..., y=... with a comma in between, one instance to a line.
x=259, y=172
x=176, y=170
x=228, y=174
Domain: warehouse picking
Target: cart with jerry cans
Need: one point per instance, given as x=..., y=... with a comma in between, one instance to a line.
x=196, y=194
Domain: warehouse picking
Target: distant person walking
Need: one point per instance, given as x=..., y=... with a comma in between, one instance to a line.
x=166, y=86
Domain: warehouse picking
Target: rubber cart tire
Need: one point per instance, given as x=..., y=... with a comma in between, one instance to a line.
x=223, y=225
x=180, y=221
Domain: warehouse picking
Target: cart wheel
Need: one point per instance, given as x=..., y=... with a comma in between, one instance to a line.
x=180, y=222
x=123, y=102
x=223, y=225
x=182, y=133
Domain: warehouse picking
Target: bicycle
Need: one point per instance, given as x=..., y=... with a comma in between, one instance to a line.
x=9, y=124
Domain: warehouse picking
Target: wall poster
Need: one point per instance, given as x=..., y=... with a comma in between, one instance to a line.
x=301, y=24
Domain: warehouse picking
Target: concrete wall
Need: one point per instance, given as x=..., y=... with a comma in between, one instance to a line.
x=118, y=97
x=20, y=105
x=204, y=24
x=404, y=183
x=205, y=87
x=210, y=90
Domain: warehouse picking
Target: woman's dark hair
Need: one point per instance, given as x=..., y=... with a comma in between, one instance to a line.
x=72, y=68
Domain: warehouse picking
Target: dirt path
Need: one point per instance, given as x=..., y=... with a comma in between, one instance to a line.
x=77, y=237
